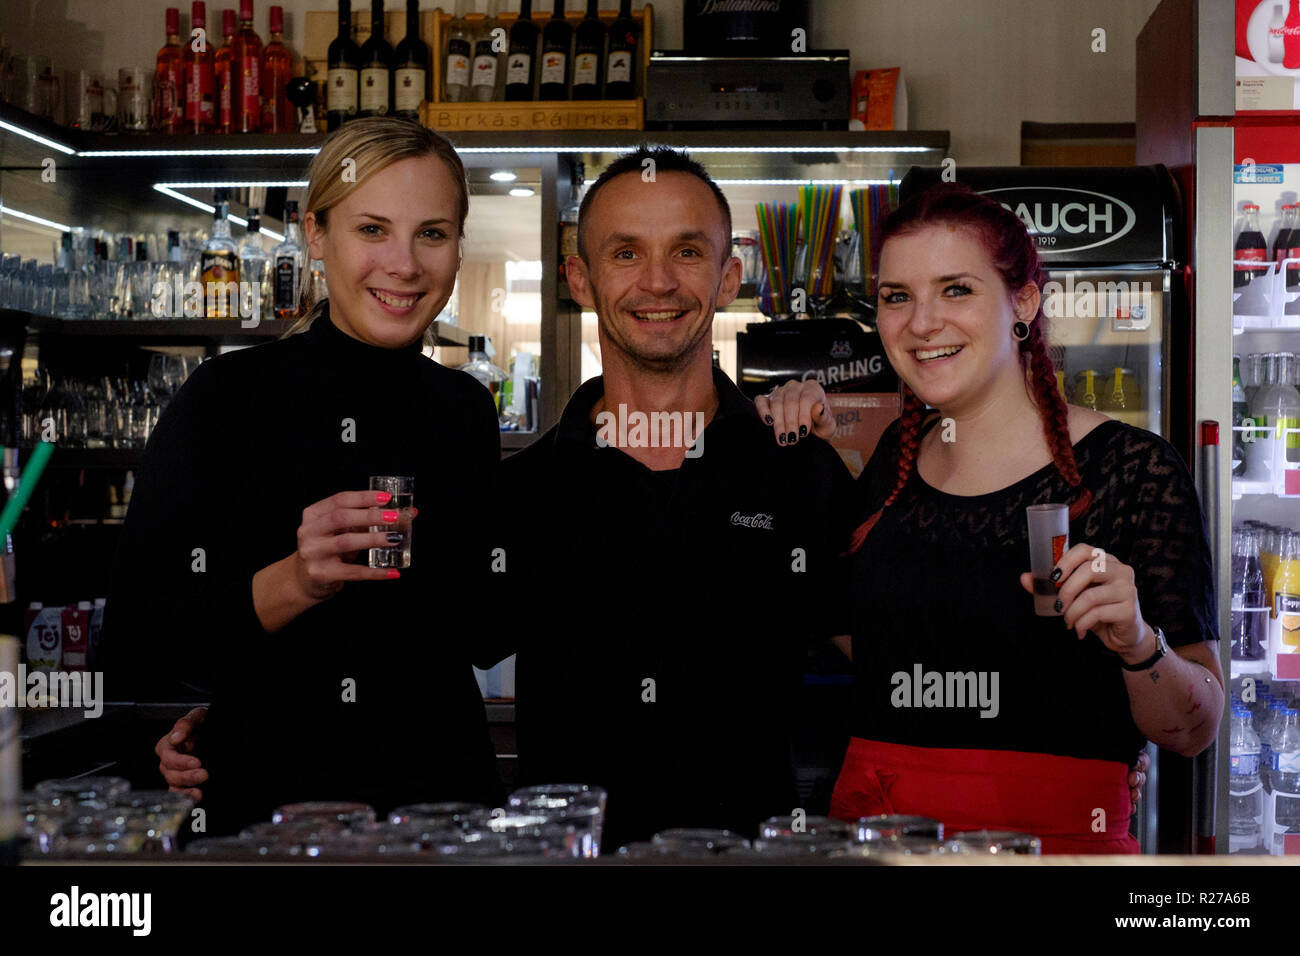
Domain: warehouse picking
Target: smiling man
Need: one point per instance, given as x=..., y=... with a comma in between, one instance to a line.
x=676, y=582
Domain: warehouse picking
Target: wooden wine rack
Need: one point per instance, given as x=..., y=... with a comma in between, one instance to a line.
x=585, y=115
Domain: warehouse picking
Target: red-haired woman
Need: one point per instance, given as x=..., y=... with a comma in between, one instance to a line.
x=968, y=708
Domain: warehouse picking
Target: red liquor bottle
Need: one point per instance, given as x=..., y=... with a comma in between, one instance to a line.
x=247, y=71
x=277, y=71
x=169, y=78
x=224, y=74
x=200, y=103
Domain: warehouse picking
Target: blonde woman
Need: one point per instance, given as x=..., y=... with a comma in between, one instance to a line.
x=242, y=565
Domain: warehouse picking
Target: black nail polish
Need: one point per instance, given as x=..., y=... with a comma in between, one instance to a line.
x=1058, y=606
x=1055, y=575
x=780, y=439
x=790, y=438
x=767, y=419
x=395, y=537
x=803, y=431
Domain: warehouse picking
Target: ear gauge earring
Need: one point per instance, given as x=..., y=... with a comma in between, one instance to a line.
x=1019, y=331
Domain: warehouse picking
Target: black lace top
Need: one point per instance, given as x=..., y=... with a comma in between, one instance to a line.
x=936, y=587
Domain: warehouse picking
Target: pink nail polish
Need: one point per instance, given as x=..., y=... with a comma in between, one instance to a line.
x=389, y=516
x=383, y=498
x=393, y=574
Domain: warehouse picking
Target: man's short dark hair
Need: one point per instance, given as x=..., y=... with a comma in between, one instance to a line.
x=666, y=160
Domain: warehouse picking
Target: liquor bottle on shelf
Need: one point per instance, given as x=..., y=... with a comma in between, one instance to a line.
x=219, y=265
x=557, y=38
x=588, y=52
x=620, y=80
x=522, y=55
x=200, y=98
x=376, y=96
x=344, y=68
x=277, y=71
x=457, y=56
x=223, y=74
x=483, y=82
x=287, y=259
x=481, y=367
x=254, y=269
x=411, y=75
x=247, y=71
x=169, y=78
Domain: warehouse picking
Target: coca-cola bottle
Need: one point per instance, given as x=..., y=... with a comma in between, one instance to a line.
x=1251, y=247
x=1291, y=37
x=1293, y=247
x=1277, y=35
x=1282, y=241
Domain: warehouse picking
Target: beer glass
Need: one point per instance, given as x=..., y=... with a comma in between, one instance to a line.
x=994, y=842
x=398, y=554
x=573, y=804
x=1049, y=538
x=133, y=100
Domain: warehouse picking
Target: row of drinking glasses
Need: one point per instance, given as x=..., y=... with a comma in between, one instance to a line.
x=849, y=277
x=879, y=837
x=553, y=822
x=101, y=413
x=91, y=816
x=100, y=289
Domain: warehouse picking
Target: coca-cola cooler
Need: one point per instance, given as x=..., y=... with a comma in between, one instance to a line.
x=1218, y=101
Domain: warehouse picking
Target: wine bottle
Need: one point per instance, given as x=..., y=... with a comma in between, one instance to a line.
x=589, y=51
x=522, y=55
x=277, y=71
x=457, y=56
x=169, y=77
x=483, y=82
x=200, y=102
x=247, y=65
x=223, y=73
x=620, y=81
x=411, y=75
x=376, y=94
x=557, y=38
x=344, y=67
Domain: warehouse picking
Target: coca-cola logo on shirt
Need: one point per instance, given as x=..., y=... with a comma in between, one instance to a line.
x=758, y=520
x=1067, y=220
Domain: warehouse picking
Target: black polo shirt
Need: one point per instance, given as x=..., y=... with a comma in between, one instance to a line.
x=671, y=613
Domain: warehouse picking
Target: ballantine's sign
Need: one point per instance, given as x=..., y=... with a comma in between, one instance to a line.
x=1066, y=220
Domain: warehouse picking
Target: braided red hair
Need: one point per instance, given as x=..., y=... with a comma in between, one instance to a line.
x=1015, y=256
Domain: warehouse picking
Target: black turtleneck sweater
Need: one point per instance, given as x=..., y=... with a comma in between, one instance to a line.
x=252, y=439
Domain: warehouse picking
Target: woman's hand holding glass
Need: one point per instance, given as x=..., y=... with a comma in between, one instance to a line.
x=333, y=532
x=794, y=409
x=1098, y=592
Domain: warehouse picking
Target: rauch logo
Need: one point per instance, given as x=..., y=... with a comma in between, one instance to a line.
x=1067, y=223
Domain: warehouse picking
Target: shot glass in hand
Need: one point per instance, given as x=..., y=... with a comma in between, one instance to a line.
x=398, y=554
x=1049, y=538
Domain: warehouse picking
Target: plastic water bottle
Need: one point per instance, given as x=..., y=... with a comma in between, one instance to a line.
x=1285, y=776
x=1245, y=794
x=1268, y=723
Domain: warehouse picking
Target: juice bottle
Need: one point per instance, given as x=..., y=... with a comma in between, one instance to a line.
x=1268, y=562
x=1286, y=589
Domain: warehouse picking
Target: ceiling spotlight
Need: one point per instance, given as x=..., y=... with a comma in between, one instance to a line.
x=522, y=191
x=503, y=176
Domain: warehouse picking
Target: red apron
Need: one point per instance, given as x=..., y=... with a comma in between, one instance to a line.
x=1053, y=798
